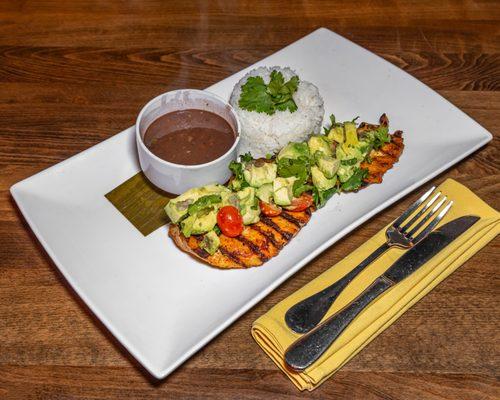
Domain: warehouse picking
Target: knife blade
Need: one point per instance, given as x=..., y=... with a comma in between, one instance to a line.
x=306, y=350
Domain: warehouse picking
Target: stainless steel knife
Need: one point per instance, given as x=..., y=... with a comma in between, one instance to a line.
x=306, y=350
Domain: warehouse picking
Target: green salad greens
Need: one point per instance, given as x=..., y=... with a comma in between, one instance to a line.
x=258, y=96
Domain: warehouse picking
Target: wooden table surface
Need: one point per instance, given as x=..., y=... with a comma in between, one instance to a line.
x=75, y=73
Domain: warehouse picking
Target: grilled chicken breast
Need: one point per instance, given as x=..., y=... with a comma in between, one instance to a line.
x=384, y=158
x=257, y=243
x=263, y=240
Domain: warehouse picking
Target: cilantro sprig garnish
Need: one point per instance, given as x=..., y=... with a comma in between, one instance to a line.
x=276, y=95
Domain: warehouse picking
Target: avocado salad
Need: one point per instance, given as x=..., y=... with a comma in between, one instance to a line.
x=300, y=176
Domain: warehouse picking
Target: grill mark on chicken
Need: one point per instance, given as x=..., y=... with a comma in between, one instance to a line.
x=285, y=225
x=273, y=225
x=302, y=217
x=232, y=256
x=291, y=219
x=269, y=230
x=200, y=252
x=384, y=158
x=268, y=236
x=253, y=247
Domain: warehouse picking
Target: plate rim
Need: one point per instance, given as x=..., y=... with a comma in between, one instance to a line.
x=160, y=373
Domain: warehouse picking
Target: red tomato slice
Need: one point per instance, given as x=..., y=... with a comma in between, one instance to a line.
x=230, y=221
x=269, y=210
x=301, y=203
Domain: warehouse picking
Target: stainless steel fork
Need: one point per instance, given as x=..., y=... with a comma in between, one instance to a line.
x=305, y=315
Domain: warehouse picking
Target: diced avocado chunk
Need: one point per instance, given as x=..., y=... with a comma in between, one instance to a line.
x=177, y=208
x=245, y=195
x=294, y=150
x=337, y=134
x=364, y=148
x=235, y=184
x=320, y=143
x=320, y=181
x=345, y=172
x=230, y=199
x=351, y=134
x=208, y=201
x=210, y=242
x=346, y=152
x=350, y=158
x=249, y=205
x=328, y=165
x=252, y=214
x=199, y=223
x=283, y=190
x=265, y=192
x=257, y=176
x=175, y=211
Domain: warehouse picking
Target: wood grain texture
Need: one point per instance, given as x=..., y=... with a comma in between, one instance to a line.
x=74, y=73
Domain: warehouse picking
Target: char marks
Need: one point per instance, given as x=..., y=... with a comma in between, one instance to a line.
x=233, y=257
x=291, y=219
x=384, y=158
x=272, y=224
x=254, y=247
x=268, y=234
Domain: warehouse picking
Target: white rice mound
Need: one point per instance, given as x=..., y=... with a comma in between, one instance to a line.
x=263, y=134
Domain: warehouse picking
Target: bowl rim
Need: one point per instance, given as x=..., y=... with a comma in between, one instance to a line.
x=211, y=97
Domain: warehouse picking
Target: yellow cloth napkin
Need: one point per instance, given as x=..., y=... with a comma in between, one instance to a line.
x=272, y=334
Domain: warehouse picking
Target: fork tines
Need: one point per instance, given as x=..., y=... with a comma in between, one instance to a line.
x=423, y=216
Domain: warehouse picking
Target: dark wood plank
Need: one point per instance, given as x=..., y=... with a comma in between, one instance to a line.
x=74, y=73
x=119, y=383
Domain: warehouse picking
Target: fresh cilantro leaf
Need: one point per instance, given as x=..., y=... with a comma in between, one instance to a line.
x=238, y=182
x=289, y=104
x=351, y=161
x=203, y=202
x=300, y=187
x=276, y=95
x=381, y=137
x=276, y=83
x=292, y=84
x=246, y=157
x=299, y=167
x=236, y=168
x=254, y=96
x=322, y=196
x=355, y=181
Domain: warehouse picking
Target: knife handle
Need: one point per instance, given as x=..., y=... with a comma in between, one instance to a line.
x=306, y=350
x=306, y=314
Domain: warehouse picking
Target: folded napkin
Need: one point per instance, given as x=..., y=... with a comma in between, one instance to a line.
x=272, y=334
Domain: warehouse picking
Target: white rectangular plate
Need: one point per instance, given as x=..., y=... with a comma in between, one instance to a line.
x=163, y=305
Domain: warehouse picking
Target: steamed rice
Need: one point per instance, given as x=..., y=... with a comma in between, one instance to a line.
x=263, y=134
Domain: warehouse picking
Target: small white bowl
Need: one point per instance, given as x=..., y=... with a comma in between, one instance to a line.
x=177, y=178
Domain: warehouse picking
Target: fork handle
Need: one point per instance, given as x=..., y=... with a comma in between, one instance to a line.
x=306, y=350
x=305, y=315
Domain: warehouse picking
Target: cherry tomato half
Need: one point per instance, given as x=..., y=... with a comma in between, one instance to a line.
x=301, y=203
x=230, y=221
x=269, y=210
